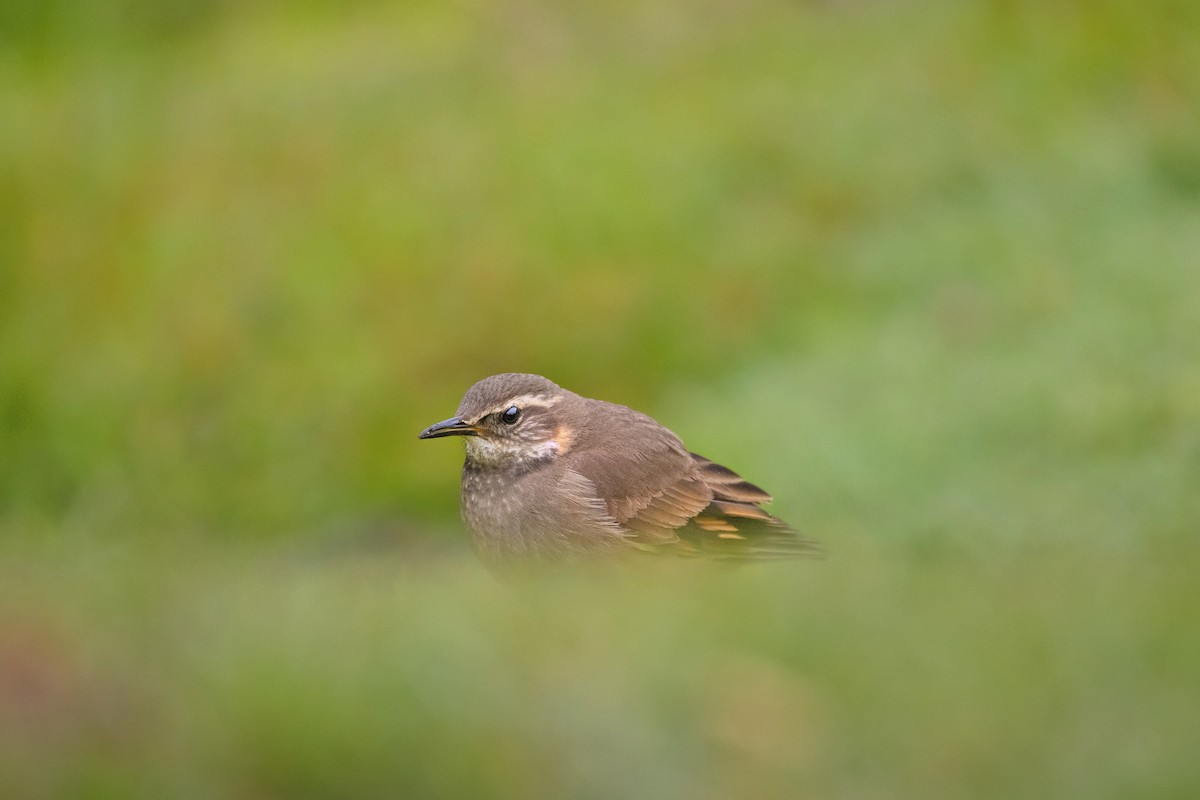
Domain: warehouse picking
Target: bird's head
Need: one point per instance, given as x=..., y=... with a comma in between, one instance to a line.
x=510, y=419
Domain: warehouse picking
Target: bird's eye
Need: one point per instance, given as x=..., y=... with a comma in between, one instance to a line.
x=510, y=415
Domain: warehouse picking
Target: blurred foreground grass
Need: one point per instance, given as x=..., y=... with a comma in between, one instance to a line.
x=928, y=271
x=881, y=673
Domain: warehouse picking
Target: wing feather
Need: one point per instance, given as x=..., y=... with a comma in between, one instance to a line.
x=672, y=500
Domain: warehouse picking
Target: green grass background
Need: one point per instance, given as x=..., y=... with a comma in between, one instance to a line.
x=928, y=271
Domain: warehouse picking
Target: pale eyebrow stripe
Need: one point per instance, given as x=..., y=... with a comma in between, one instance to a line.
x=526, y=401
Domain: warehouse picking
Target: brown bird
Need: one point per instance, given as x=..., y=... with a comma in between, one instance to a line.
x=550, y=475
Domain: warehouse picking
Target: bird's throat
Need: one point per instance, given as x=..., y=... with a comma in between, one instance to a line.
x=486, y=453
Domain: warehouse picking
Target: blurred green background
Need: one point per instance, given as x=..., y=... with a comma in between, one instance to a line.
x=927, y=271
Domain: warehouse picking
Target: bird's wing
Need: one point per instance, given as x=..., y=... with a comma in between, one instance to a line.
x=673, y=500
x=645, y=476
x=734, y=525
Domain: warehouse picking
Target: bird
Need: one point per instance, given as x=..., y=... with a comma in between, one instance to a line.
x=551, y=476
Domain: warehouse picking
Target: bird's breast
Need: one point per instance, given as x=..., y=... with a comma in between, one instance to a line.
x=491, y=499
x=543, y=513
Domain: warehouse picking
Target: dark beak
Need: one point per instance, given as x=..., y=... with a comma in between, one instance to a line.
x=449, y=427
